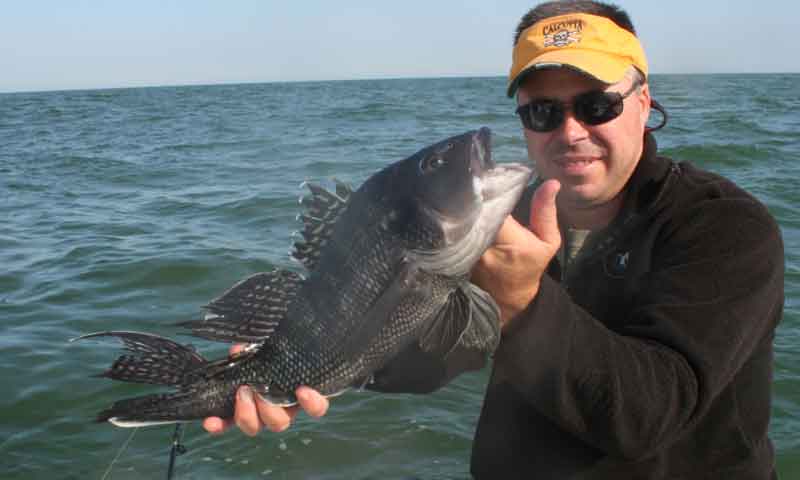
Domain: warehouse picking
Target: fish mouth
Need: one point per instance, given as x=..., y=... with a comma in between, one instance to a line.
x=497, y=191
x=481, y=154
x=492, y=180
x=503, y=180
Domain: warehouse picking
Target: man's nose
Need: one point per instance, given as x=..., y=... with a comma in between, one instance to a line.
x=572, y=130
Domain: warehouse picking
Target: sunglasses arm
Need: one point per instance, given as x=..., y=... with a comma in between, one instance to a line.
x=664, y=117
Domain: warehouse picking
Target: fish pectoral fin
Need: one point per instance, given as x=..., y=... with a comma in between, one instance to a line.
x=249, y=311
x=460, y=338
x=469, y=321
x=443, y=331
x=483, y=332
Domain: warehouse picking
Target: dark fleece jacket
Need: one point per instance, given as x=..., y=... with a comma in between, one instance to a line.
x=653, y=358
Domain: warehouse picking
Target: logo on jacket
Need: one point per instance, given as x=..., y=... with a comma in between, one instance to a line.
x=622, y=260
x=617, y=264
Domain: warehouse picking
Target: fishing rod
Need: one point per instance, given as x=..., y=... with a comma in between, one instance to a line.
x=177, y=449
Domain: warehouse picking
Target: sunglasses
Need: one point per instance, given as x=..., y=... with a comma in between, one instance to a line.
x=591, y=108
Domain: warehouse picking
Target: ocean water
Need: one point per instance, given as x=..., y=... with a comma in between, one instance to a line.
x=131, y=208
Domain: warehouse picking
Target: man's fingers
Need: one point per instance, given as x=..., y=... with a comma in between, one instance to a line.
x=246, y=416
x=544, y=216
x=275, y=418
x=237, y=348
x=252, y=412
x=312, y=401
x=216, y=425
x=510, y=231
x=543, y=219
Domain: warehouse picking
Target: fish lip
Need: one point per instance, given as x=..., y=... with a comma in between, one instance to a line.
x=502, y=178
x=481, y=154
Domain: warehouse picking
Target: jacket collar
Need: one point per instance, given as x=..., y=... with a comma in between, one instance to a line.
x=646, y=186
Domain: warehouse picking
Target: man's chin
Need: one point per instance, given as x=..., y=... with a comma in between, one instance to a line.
x=578, y=195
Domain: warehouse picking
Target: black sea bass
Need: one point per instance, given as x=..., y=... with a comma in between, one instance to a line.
x=387, y=288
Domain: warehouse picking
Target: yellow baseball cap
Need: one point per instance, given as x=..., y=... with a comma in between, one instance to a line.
x=590, y=44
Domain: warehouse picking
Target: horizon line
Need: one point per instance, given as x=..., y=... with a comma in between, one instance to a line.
x=356, y=79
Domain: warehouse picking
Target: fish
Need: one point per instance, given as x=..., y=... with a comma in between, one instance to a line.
x=384, y=292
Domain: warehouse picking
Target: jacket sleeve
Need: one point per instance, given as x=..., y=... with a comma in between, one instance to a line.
x=416, y=371
x=713, y=296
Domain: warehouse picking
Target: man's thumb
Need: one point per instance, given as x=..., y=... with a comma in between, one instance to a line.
x=544, y=217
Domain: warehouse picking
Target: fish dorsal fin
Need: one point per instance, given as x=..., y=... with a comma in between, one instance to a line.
x=250, y=310
x=322, y=209
x=470, y=320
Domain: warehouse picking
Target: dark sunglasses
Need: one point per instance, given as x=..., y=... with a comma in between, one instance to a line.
x=591, y=108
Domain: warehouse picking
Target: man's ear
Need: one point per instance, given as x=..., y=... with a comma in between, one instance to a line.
x=644, y=102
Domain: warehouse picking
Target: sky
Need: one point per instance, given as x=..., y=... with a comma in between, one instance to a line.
x=56, y=44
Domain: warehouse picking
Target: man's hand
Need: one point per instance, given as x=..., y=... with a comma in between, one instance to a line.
x=252, y=412
x=512, y=268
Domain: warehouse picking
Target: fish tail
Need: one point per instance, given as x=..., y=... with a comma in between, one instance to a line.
x=160, y=409
x=151, y=359
x=157, y=360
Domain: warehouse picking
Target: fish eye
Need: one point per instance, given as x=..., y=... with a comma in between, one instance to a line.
x=431, y=163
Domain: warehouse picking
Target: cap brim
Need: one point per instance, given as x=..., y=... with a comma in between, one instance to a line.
x=596, y=65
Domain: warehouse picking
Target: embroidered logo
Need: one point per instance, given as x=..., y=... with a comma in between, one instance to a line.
x=622, y=260
x=617, y=264
x=563, y=33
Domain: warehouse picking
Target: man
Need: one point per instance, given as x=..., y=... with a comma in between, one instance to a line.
x=640, y=305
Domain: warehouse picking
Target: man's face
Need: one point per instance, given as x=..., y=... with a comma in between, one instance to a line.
x=593, y=163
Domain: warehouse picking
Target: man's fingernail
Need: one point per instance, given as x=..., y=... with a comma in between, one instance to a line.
x=246, y=395
x=301, y=395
